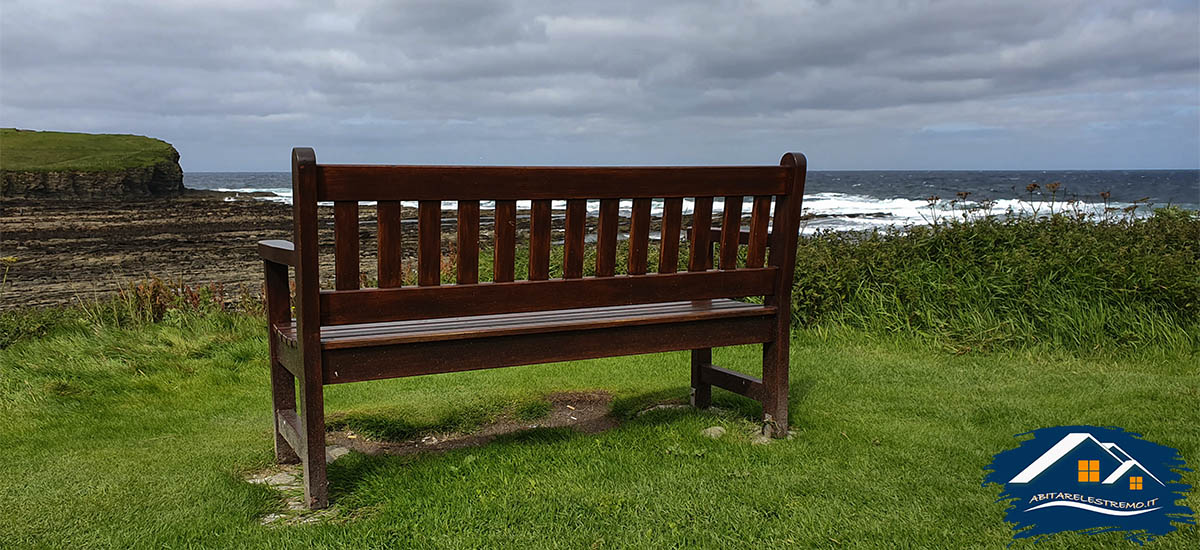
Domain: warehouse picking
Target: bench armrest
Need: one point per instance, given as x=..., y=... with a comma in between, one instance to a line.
x=280, y=252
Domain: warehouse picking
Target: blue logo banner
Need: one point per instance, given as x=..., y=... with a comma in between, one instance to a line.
x=1091, y=479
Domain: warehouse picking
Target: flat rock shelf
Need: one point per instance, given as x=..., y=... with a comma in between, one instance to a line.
x=66, y=251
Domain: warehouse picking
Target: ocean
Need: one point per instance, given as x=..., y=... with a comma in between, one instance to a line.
x=857, y=200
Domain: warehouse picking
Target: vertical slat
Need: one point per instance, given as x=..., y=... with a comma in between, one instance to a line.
x=539, y=241
x=468, y=242
x=760, y=215
x=639, y=236
x=701, y=249
x=391, y=274
x=505, y=230
x=668, y=258
x=429, y=243
x=606, y=238
x=345, y=245
x=575, y=225
x=731, y=230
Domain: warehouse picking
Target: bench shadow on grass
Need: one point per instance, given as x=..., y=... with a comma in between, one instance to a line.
x=349, y=474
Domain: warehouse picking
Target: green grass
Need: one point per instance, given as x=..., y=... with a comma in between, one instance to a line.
x=138, y=437
x=30, y=151
x=132, y=422
x=1072, y=282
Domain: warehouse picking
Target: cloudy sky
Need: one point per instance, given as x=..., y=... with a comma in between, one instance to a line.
x=1000, y=84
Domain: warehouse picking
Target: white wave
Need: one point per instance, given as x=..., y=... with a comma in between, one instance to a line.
x=835, y=211
x=1091, y=508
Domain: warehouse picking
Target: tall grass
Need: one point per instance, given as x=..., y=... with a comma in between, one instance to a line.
x=134, y=303
x=972, y=282
x=1075, y=281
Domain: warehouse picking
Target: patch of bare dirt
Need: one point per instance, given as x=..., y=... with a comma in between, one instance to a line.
x=586, y=412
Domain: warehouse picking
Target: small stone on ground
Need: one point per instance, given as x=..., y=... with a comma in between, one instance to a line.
x=334, y=452
x=713, y=432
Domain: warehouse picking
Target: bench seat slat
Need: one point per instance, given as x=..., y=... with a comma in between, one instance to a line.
x=482, y=326
x=377, y=362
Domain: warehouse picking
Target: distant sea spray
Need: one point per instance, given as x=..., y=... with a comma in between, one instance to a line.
x=846, y=201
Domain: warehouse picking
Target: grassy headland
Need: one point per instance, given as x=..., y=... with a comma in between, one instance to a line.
x=34, y=151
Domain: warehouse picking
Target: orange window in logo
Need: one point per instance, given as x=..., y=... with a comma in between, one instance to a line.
x=1135, y=483
x=1089, y=471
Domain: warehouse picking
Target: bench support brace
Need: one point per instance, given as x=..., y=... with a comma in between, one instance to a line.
x=736, y=382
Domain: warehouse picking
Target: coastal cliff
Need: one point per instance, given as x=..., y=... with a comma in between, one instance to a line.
x=64, y=165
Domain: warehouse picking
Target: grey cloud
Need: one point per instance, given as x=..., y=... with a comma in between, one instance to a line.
x=226, y=79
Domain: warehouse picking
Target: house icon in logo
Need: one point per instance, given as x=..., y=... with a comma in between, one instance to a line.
x=1095, y=463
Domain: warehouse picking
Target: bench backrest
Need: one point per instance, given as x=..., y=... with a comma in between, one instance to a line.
x=776, y=193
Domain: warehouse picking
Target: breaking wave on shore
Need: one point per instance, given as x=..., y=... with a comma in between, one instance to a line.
x=852, y=201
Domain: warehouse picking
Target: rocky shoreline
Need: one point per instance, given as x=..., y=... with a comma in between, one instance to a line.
x=66, y=251
x=71, y=250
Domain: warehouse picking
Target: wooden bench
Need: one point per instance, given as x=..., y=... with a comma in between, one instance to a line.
x=352, y=334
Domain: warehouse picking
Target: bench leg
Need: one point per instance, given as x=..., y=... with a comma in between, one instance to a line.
x=701, y=392
x=283, y=394
x=312, y=424
x=775, y=388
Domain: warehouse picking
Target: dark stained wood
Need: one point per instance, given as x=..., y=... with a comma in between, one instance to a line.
x=429, y=243
x=576, y=224
x=356, y=182
x=508, y=324
x=700, y=257
x=716, y=233
x=760, y=215
x=391, y=272
x=731, y=230
x=735, y=382
x=468, y=242
x=280, y=252
x=345, y=247
x=283, y=383
x=288, y=351
x=347, y=335
x=377, y=362
x=639, y=235
x=288, y=426
x=783, y=256
x=371, y=305
x=503, y=265
x=668, y=258
x=701, y=390
x=606, y=238
x=539, y=241
x=312, y=395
